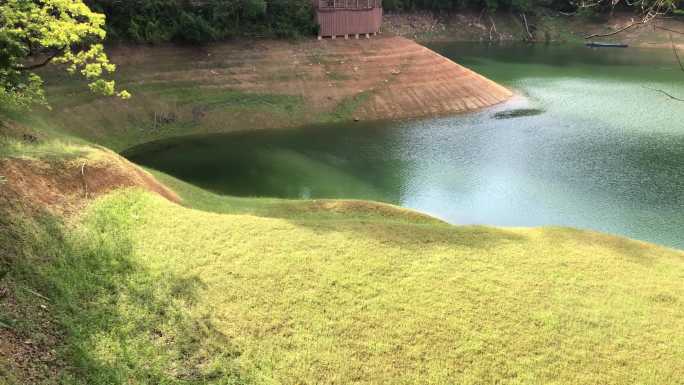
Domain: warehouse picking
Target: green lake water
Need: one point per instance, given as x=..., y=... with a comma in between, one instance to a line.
x=588, y=143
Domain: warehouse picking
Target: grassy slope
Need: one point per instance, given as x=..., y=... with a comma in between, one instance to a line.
x=156, y=113
x=157, y=292
x=422, y=301
x=235, y=290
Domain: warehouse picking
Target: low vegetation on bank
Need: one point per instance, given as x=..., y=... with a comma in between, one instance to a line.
x=238, y=290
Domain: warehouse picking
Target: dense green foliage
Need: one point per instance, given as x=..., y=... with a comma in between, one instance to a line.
x=180, y=20
x=35, y=33
x=581, y=7
x=209, y=20
x=440, y=5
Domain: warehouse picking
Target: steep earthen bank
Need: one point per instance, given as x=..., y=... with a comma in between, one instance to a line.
x=269, y=84
x=395, y=77
x=38, y=194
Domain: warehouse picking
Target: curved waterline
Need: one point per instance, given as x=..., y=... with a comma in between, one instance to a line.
x=600, y=151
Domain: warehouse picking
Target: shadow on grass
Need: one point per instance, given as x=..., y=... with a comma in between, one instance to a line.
x=117, y=321
x=365, y=219
x=407, y=234
x=641, y=253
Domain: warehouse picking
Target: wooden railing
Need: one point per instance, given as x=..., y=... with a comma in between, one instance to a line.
x=349, y=4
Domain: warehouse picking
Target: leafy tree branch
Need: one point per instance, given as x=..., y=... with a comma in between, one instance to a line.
x=35, y=33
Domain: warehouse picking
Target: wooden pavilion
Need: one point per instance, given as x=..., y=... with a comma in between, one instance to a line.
x=348, y=17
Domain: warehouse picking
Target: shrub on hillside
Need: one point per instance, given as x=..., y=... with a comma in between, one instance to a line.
x=209, y=20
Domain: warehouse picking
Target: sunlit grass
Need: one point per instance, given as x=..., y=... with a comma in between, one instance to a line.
x=377, y=300
x=59, y=149
x=247, y=290
x=118, y=321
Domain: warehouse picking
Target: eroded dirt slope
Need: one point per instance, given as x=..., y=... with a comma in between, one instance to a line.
x=66, y=185
x=377, y=78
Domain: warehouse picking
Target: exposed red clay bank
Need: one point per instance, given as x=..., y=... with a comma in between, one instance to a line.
x=347, y=18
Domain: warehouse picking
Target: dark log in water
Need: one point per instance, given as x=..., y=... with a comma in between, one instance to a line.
x=606, y=45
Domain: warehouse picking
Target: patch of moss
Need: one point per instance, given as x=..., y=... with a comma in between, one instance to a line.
x=345, y=110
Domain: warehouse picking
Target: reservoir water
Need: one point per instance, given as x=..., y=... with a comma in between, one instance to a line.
x=591, y=141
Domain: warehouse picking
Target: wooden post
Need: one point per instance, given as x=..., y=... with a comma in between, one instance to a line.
x=333, y=37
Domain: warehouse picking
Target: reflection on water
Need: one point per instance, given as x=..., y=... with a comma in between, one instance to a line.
x=589, y=145
x=516, y=113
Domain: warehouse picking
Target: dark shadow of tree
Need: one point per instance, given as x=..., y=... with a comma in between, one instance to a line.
x=408, y=234
x=119, y=322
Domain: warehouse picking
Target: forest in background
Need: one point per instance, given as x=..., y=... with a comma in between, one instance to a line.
x=191, y=21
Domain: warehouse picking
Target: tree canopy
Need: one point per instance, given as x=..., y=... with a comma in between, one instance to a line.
x=36, y=33
x=202, y=21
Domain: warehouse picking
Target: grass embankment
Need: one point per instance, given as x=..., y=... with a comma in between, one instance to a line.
x=159, y=111
x=140, y=290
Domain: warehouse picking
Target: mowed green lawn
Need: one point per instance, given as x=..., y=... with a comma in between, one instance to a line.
x=331, y=292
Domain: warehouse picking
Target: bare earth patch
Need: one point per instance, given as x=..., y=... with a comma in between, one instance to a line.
x=394, y=77
x=65, y=185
